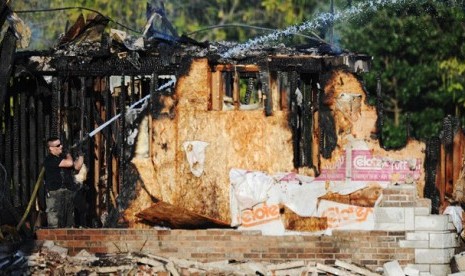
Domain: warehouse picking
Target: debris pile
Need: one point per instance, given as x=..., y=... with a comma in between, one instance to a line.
x=51, y=259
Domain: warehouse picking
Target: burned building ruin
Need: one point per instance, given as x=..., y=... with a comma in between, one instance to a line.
x=193, y=135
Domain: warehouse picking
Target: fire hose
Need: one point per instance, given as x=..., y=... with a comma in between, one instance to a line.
x=89, y=135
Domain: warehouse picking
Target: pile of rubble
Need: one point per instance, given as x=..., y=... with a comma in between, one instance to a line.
x=51, y=259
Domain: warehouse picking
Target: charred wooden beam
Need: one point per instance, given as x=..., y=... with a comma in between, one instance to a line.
x=299, y=64
x=432, y=159
x=89, y=106
x=307, y=123
x=294, y=117
x=122, y=133
x=33, y=160
x=109, y=145
x=265, y=81
x=7, y=51
x=16, y=177
x=112, y=65
x=24, y=146
x=55, y=112
x=153, y=95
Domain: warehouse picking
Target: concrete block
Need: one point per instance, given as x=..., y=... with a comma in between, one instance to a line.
x=457, y=274
x=390, y=219
x=389, y=215
x=413, y=244
x=417, y=236
x=443, y=240
x=433, y=256
x=409, y=216
x=410, y=271
x=389, y=226
x=419, y=267
x=440, y=270
x=427, y=274
x=422, y=211
x=392, y=269
x=432, y=223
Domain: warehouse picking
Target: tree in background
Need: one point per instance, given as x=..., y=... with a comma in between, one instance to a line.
x=201, y=19
x=418, y=50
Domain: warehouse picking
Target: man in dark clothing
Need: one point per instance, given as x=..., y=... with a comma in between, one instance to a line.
x=59, y=184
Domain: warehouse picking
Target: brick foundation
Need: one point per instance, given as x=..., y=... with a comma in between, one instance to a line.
x=367, y=248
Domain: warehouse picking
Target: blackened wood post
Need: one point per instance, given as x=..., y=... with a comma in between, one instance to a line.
x=133, y=90
x=153, y=93
x=108, y=140
x=40, y=140
x=24, y=154
x=7, y=51
x=307, y=125
x=122, y=131
x=295, y=113
x=80, y=98
x=8, y=139
x=33, y=147
x=265, y=81
x=2, y=136
x=65, y=123
x=90, y=124
x=55, y=125
x=16, y=150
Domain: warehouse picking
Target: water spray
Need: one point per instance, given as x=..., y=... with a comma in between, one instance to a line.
x=324, y=19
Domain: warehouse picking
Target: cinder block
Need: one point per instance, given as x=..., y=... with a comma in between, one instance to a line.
x=389, y=226
x=390, y=219
x=389, y=214
x=433, y=256
x=417, y=236
x=432, y=223
x=422, y=211
x=409, y=216
x=443, y=240
x=410, y=271
x=457, y=274
x=392, y=269
x=427, y=274
x=419, y=267
x=440, y=270
x=413, y=244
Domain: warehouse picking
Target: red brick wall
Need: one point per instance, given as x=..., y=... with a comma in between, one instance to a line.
x=367, y=248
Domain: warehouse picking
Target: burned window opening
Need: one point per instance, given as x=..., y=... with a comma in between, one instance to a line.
x=241, y=90
x=301, y=90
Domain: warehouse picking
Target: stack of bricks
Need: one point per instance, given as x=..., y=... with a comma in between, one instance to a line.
x=399, y=196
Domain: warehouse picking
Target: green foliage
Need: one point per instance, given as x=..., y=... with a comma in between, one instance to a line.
x=414, y=48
